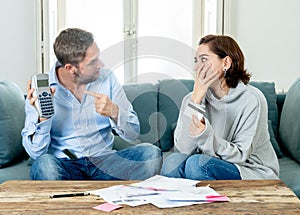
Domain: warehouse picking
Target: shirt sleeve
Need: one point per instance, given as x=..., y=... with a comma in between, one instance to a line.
x=35, y=136
x=127, y=125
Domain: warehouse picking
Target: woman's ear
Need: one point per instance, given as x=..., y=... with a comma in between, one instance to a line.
x=227, y=62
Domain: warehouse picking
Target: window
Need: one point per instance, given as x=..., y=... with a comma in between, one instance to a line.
x=140, y=41
x=165, y=40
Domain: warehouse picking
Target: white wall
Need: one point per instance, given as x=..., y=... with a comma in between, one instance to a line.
x=268, y=31
x=17, y=38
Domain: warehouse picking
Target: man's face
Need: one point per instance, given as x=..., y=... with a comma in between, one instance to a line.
x=89, y=68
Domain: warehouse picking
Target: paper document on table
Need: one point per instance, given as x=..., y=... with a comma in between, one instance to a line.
x=162, y=202
x=195, y=194
x=166, y=183
x=161, y=191
x=121, y=194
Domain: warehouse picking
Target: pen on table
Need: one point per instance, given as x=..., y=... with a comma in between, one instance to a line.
x=69, y=195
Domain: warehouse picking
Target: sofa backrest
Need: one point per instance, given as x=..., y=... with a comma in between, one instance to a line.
x=268, y=89
x=170, y=95
x=143, y=98
x=158, y=105
x=289, y=130
x=144, y=101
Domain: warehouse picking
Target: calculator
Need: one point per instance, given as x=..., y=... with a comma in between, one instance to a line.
x=44, y=102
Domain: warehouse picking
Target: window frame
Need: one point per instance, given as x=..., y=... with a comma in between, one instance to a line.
x=130, y=31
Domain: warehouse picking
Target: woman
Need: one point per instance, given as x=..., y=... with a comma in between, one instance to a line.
x=231, y=140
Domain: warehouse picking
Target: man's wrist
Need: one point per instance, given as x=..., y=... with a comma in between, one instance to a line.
x=115, y=112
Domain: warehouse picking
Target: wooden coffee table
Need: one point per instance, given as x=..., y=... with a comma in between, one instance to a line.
x=247, y=197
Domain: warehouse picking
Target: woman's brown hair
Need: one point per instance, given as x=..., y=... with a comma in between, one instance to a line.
x=226, y=46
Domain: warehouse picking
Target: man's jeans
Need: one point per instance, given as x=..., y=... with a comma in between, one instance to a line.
x=199, y=167
x=134, y=163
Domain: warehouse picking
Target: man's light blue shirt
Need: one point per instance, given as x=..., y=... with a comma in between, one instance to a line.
x=76, y=125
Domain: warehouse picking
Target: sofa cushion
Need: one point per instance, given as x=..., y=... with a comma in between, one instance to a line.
x=274, y=141
x=143, y=98
x=289, y=173
x=289, y=130
x=268, y=89
x=170, y=95
x=12, y=117
x=18, y=171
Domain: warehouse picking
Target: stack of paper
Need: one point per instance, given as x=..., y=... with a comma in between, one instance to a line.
x=161, y=191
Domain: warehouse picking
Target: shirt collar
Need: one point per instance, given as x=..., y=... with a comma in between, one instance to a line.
x=53, y=80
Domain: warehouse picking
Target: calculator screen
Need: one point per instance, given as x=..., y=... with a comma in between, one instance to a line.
x=42, y=83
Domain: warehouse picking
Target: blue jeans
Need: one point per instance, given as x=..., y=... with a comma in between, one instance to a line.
x=134, y=163
x=199, y=167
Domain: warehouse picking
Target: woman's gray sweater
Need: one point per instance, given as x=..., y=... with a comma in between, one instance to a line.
x=236, y=131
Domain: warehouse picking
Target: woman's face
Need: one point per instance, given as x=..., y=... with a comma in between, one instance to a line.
x=205, y=56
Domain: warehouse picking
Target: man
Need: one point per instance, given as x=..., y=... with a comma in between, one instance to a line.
x=76, y=143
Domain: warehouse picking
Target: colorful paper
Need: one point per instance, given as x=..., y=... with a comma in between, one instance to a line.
x=107, y=207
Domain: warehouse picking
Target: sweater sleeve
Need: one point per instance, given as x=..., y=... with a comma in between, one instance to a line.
x=184, y=143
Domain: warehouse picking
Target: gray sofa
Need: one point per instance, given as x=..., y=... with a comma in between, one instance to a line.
x=157, y=106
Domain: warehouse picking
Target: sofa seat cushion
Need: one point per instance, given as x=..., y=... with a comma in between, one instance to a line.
x=18, y=171
x=290, y=174
x=12, y=117
x=289, y=130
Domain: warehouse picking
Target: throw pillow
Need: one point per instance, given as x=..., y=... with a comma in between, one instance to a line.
x=12, y=117
x=289, y=129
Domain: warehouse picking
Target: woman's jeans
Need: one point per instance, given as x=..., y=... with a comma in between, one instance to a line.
x=134, y=163
x=199, y=167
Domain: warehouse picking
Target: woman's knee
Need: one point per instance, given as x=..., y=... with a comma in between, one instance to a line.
x=173, y=163
x=197, y=160
x=196, y=167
